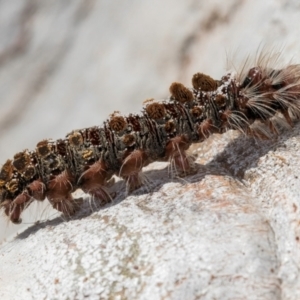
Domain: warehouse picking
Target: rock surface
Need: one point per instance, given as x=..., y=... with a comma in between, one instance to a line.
x=231, y=231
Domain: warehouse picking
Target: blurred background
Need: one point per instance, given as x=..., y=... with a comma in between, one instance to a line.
x=68, y=64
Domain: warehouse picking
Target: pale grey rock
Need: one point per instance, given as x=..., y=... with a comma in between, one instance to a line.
x=200, y=237
x=229, y=232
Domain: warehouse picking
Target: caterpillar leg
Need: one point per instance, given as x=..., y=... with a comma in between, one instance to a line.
x=68, y=206
x=131, y=168
x=272, y=127
x=59, y=194
x=13, y=209
x=206, y=128
x=287, y=117
x=94, y=182
x=258, y=132
x=37, y=190
x=175, y=152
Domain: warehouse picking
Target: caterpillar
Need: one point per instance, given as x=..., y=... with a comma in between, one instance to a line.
x=255, y=100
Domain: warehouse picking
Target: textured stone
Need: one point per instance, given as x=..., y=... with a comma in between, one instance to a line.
x=200, y=237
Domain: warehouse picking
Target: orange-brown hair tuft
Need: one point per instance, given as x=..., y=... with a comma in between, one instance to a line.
x=155, y=110
x=180, y=92
x=204, y=82
x=117, y=123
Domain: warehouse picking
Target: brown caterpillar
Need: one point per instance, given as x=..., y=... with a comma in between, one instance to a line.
x=254, y=101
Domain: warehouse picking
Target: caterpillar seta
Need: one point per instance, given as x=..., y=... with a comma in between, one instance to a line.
x=255, y=100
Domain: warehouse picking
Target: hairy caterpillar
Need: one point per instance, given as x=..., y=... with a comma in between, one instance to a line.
x=254, y=100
